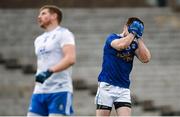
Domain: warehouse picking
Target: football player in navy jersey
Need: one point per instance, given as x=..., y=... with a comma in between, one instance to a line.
x=113, y=80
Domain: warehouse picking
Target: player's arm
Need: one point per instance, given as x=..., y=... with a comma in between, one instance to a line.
x=68, y=59
x=122, y=43
x=135, y=30
x=142, y=52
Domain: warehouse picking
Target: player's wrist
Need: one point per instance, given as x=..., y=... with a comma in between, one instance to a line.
x=140, y=39
x=132, y=35
x=41, y=77
x=50, y=70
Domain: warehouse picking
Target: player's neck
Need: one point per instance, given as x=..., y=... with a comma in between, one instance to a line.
x=51, y=27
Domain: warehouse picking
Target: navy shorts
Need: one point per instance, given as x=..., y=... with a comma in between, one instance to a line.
x=51, y=103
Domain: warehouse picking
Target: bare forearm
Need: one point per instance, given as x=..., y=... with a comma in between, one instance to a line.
x=65, y=63
x=143, y=52
x=123, y=42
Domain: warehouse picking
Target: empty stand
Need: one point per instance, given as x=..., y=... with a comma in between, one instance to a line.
x=157, y=81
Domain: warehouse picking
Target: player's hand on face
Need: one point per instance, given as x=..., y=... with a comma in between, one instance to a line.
x=42, y=76
x=136, y=28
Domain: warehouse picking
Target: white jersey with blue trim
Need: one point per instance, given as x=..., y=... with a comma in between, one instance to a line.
x=48, y=49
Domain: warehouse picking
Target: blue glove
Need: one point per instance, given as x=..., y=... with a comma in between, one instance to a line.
x=136, y=28
x=42, y=76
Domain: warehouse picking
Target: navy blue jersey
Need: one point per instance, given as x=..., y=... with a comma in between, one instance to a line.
x=117, y=65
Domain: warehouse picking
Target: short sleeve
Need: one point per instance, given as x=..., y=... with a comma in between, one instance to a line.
x=110, y=38
x=134, y=45
x=67, y=37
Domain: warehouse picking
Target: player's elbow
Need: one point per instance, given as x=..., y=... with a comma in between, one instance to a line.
x=72, y=60
x=146, y=59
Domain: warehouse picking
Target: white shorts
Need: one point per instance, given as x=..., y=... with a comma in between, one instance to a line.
x=108, y=94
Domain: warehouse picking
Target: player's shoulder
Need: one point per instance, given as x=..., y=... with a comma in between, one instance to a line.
x=114, y=36
x=63, y=30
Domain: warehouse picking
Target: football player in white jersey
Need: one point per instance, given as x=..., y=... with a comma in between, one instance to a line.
x=55, y=51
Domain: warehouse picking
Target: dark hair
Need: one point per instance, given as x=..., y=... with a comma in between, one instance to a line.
x=54, y=9
x=131, y=19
